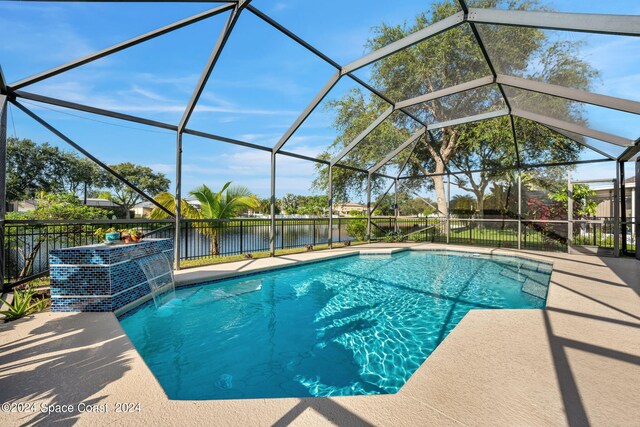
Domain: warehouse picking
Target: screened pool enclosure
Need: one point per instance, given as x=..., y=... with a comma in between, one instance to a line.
x=535, y=108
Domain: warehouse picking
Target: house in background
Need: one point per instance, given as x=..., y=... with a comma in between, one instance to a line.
x=22, y=205
x=101, y=203
x=142, y=209
x=343, y=209
x=29, y=205
x=604, y=196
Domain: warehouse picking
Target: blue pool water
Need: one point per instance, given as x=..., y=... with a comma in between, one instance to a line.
x=355, y=325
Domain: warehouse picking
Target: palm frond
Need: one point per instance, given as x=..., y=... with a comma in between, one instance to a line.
x=237, y=200
x=208, y=201
x=168, y=201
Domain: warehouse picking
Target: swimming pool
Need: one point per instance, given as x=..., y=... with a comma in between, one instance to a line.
x=349, y=326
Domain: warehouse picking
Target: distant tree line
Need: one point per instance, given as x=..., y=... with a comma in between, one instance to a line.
x=33, y=169
x=292, y=204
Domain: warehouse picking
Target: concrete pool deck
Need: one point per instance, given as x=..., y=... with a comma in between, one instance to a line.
x=575, y=363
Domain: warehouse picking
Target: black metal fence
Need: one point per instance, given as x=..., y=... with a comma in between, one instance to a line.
x=27, y=243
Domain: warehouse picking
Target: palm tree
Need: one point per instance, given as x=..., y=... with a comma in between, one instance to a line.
x=227, y=203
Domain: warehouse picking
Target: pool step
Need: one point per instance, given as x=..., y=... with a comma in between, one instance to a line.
x=511, y=273
x=534, y=288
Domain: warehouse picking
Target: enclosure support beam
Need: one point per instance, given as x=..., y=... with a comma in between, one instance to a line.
x=570, y=93
x=448, y=231
x=90, y=156
x=515, y=139
x=427, y=202
x=584, y=144
x=92, y=110
x=211, y=63
x=572, y=127
x=292, y=36
x=369, y=208
x=380, y=198
x=569, y=213
x=272, y=224
x=396, y=208
x=623, y=207
x=397, y=151
x=474, y=84
x=616, y=214
x=262, y=148
x=3, y=83
x=407, y=160
x=307, y=111
x=636, y=213
x=121, y=46
x=631, y=151
x=524, y=166
x=519, y=210
x=494, y=74
x=622, y=25
x=178, y=217
x=330, y=241
x=3, y=179
x=362, y=135
x=469, y=119
x=421, y=35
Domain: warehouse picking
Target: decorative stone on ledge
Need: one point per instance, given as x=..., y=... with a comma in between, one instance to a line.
x=101, y=277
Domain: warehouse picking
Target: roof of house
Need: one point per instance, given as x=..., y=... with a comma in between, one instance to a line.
x=628, y=183
x=350, y=204
x=148, y=204
x=101, y=203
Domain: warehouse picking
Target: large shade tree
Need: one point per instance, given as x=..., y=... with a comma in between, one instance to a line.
x=34, y=168
x=142, y=177
x=446, y=60
x=30, y=169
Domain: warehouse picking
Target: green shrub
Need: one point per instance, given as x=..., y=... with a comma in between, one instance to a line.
x=357, y=229
x=23, y=304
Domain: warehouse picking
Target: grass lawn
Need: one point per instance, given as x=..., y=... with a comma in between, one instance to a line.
x=212, y=260
x=485, y=236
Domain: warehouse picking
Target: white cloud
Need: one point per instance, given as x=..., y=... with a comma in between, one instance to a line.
x=148, y=93
x=619, y=69
x=140, y=100
x=280, y=6
x=228, y=119
x=245, y=167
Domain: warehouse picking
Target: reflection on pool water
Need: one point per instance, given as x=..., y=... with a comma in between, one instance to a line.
x=354, y=325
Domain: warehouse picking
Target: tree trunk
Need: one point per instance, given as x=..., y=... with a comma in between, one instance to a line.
x=480, y=207
x=441, y=193
x=215, y=248
x=27, y=268
x=127, y=213
x=505, y=205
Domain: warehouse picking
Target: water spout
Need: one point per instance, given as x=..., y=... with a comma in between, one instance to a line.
x=159, y=273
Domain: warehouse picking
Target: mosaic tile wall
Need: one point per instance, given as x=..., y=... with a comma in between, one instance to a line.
x=101, y=277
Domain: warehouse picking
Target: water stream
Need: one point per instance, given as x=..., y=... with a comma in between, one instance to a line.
x=159, y=273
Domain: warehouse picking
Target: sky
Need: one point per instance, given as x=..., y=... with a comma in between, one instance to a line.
x=262, y=81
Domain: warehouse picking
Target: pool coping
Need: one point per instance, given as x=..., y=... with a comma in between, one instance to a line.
x=497, y=367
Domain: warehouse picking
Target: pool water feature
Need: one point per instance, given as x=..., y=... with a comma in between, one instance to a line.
x=158, y=270
x=349, y=326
